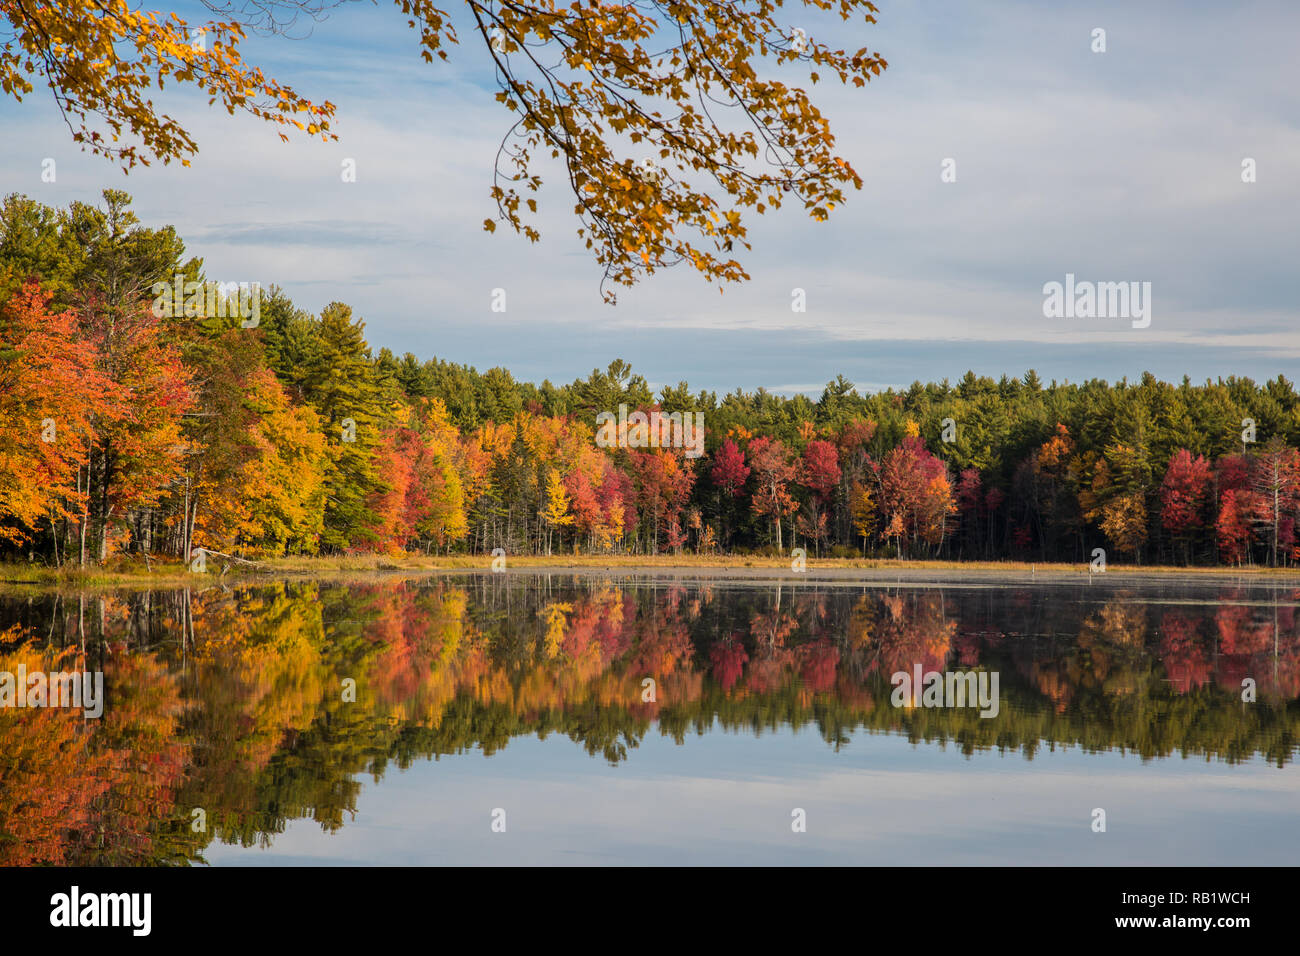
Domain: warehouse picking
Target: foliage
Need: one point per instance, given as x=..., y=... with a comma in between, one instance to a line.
x=665, y=126
x=178, y=432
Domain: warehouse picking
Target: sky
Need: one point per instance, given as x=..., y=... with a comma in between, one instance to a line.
x=1116, y=166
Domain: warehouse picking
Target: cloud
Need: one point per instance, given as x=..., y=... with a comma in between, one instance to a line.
x=1118, y=166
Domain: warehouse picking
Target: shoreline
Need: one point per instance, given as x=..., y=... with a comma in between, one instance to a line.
x=739, y=569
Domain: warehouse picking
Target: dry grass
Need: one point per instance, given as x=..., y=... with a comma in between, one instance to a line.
x=115, y=572
x=688, y=561
x=133, y=572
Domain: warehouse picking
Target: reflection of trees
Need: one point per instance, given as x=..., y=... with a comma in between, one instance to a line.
x=727, y=658
x=230, y=700
x=1106, y=657
x=914, y=629
x=50, y=775
x=93, y=792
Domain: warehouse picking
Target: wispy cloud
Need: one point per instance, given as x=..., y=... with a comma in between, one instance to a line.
x=1116, y=166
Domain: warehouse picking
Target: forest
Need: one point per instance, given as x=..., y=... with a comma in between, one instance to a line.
x=124, y=431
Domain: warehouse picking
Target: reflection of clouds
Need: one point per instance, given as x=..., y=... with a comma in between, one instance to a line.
x=726, y=798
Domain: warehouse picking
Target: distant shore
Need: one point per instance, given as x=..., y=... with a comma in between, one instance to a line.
x=134, y=573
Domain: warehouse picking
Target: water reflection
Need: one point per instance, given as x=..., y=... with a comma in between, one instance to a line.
x=235, y=702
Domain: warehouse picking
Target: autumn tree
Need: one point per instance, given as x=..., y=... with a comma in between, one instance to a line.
x=853, y=442
x=555, y=506
x=1046, y=482
x=729, y=471
x=147, y=389
x=48, y=388
x=728, y=474
x=1115, y=497
x=1276, y=483
x=1124, y=522
x=862, y=510
x=401, y=499
x=819, y=473
x=1184, y=496
x=596, y=498
x=285, y=479
x=773, y=471
x=138, y=446
x=243, y=440
x=668, y=118
x=104, y=60
x=583, y=503
x=663, y=485
x=293, y=436
x=916, y=493
x=1237, y=509
x=442, y=476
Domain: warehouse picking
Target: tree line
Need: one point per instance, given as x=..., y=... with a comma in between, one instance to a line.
x=126, y=429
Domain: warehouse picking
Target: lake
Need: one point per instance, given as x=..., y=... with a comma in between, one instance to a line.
x=641, y=718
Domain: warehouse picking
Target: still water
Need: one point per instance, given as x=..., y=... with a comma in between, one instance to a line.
x=587, y=719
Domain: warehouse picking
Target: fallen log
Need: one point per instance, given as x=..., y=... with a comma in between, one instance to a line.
x=229, y=557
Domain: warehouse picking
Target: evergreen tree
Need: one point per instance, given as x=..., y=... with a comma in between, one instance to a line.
x=340, y=383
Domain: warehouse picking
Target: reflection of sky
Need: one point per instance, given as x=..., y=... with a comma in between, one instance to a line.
x=726, y=798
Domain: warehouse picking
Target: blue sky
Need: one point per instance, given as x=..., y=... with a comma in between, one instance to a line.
x=1115, y=166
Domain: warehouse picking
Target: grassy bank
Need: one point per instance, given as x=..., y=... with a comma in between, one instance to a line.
x=158, y=573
